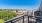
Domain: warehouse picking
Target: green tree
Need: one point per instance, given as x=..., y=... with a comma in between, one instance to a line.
x=6, y=15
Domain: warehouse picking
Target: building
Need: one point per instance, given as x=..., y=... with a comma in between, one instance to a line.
x=33, y=11
x=40, y=8
x=20, y=12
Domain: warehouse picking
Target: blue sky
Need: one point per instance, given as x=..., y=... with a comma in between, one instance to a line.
x=19, y=4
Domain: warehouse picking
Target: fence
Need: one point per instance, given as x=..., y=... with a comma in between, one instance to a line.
x=20, y=19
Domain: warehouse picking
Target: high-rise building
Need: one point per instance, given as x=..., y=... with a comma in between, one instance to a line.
x=40, y=8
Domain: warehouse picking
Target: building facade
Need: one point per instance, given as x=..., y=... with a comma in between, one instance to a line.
x=40, y=8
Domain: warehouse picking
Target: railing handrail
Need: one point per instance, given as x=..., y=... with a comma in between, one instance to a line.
x=19, y=18
x=15, y=18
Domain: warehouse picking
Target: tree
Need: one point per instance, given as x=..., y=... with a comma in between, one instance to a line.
x=6, y=15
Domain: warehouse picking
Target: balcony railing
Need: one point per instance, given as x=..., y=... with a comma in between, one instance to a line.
x=19, y=19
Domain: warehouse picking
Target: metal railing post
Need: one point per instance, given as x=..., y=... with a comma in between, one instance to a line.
x=28, y=19
x=11, y=22
x=23, y=19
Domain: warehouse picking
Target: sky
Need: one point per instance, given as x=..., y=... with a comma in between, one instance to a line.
x=19, y=4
